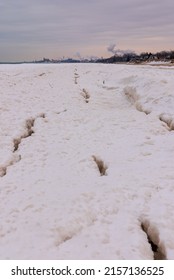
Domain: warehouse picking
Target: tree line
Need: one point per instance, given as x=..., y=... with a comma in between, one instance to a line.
x=143, y=57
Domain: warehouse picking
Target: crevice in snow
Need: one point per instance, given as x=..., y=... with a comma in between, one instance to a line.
x=51, y=86
x=3, y=169
x=109, y=88
x=168, y=120
x=132, y=96
x=154, y=240
x=102, y=167
x=85, y=95
x=42, y=74
x=29, y=124
x=64, y=234
x=76, y=76
x=14, y=159
x=64, y=238
x=60, y=112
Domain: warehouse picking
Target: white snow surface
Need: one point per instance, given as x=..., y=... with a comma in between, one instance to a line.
x=56, y=122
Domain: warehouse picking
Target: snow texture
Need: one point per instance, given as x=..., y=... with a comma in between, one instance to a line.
x=86, y=161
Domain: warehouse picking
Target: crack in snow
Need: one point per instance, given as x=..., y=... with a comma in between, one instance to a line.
x=102, y=167
x=154, y=240
x=60, y=112
x=42, y=74
x=3, y=169
x=132, y=96
x=76, y=76
x=168, y=120
x=29, y=124
x=63, y=234
x=85, y=95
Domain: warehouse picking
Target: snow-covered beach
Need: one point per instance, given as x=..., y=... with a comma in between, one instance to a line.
x=86, y=161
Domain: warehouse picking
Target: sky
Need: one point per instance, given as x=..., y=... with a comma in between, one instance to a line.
x=55, y=29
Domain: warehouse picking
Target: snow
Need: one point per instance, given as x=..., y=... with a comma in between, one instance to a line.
x=60, y=124
x=153, y=62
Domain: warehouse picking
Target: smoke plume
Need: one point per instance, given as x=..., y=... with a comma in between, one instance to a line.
x=112, y=48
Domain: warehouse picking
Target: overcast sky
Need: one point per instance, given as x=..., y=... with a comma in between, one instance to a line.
x=33, y=29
